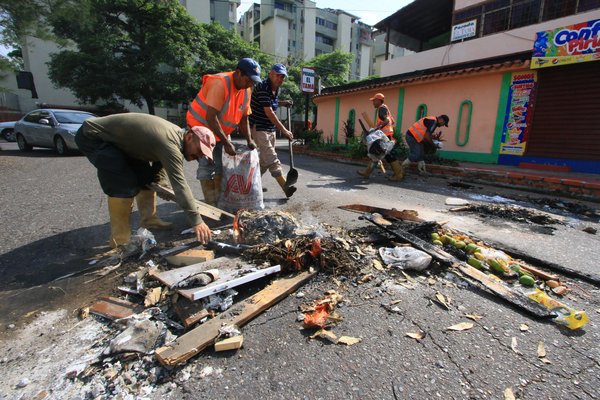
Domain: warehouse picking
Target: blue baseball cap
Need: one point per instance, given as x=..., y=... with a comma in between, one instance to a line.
x=280, y=69
x=250, y=68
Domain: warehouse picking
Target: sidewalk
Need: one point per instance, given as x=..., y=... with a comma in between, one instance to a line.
x=569, y=184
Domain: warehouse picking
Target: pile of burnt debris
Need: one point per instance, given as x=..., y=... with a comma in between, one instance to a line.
x=180, y=298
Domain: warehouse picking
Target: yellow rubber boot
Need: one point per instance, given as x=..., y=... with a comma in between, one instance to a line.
x=398, y=171
x=208, y=190
x=289, y=191
x=119, y=210
x=367, y=172
x=146, y=203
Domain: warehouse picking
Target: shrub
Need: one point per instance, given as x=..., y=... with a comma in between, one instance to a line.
x=311, y=137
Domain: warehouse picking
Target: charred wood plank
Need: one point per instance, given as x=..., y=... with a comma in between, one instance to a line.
x=403, y=215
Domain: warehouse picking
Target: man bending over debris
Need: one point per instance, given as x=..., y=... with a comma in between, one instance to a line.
x=129, y=151
x=419, y=134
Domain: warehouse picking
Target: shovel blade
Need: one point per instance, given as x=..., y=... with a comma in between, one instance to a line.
x=292, y=177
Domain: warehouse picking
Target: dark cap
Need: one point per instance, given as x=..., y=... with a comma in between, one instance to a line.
x=445, y=118
x=250, y=68
x=280, y=69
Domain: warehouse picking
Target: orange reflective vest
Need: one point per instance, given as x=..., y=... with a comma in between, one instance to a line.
x=418, y=129
x=234, y=107
x=388, y=130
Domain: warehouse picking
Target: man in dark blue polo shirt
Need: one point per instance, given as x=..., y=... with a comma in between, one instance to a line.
x=264, y=123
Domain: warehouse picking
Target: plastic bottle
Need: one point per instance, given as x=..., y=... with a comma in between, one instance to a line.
x=565, y=315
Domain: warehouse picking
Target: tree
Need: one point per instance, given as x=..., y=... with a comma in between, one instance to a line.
x=225, y=48
x=138, y=50
x=25, y=18
x=18, y=20
x=331, y=68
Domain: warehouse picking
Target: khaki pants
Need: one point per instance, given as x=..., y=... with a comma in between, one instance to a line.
x=265, y=141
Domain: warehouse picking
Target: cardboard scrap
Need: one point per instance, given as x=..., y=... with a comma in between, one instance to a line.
x=152, y=296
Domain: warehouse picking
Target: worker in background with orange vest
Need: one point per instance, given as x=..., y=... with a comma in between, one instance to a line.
x=223, y=105
x=385, y=121
x=385, y=124
x=419, y=134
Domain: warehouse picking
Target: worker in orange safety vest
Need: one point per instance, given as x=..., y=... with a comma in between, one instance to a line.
x=419, y=134
x=385, y=124
x=223, y=105
x=385, y=121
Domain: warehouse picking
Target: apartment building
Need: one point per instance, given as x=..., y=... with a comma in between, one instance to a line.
x=292, y=30
x=223, y=12
x=383, y=50
x=36, y=53
x=518, y=79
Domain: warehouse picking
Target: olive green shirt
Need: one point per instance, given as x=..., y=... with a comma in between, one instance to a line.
x=149, y=138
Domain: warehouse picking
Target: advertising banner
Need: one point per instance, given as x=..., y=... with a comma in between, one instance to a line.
x=518, y=113
x=567, y=45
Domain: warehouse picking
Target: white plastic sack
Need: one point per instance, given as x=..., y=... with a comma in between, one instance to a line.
x=405, y=258
x=372, y=137
x=241, y=186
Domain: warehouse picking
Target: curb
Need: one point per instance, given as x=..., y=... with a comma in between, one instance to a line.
x=582, y=189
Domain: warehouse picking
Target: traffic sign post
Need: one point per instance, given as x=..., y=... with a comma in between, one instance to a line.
x=307, y=85
x=308, y=80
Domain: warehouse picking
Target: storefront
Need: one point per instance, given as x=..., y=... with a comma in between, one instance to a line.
x=552, y=113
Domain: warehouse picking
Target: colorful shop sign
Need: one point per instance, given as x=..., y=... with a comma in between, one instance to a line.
x=518, y=113
x=568, y=45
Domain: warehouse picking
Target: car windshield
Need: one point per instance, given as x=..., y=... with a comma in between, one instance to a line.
x=72, y=117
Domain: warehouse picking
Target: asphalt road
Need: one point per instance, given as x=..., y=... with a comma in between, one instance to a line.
x=54, y=216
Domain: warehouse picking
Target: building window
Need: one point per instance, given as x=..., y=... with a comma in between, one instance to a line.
x=325, y=23
x=558, y=8
x=323, y=39
x=587, y=5
x=501, y=15
x=495, y=21
x=524, y=14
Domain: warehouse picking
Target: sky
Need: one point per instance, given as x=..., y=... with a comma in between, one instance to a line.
x=370, y=12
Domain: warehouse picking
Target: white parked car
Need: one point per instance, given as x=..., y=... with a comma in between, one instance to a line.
x=7, y=130
x=50, y=128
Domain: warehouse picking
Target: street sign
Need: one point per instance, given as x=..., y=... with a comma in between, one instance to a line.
x=308, y=80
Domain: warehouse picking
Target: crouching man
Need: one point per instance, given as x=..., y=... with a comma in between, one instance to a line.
x=129, y=151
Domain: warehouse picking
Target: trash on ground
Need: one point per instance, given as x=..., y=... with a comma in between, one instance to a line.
x=321, y=313
x=419, y=335
x=463, y=326
x=407, y=258
x=454, y=201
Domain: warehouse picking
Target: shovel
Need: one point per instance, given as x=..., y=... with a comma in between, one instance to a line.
x=292, y=176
